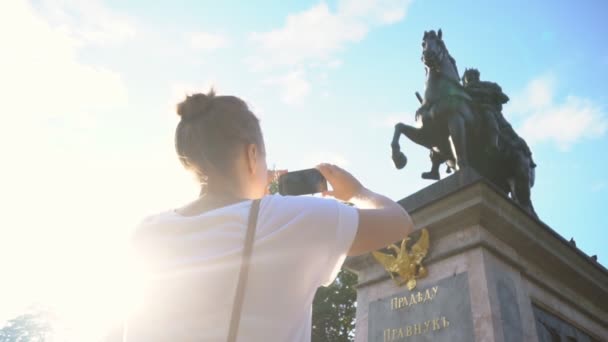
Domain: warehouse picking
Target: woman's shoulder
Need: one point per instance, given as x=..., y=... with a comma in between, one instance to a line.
x=296, y=202
x=309, y=209
x=150, y=221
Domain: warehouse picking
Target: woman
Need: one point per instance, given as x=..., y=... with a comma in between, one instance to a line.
x=194, y=252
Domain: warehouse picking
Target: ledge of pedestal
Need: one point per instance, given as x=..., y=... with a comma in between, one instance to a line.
x=464, y=212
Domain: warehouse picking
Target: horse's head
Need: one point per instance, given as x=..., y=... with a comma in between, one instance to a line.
x=433, y=49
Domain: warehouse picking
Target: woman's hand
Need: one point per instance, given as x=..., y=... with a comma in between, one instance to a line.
x=345, y=186
x=381, y=220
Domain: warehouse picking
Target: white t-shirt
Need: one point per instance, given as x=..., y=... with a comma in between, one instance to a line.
x=300, y=244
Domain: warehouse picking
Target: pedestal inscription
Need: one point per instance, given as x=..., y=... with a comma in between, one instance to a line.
x=438, y=312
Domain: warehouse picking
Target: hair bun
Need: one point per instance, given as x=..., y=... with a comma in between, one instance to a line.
x=196, y=105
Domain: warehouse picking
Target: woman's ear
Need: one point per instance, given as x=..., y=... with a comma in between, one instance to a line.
x=252, y=158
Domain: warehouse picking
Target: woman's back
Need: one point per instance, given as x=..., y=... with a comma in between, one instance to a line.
x=300, y=244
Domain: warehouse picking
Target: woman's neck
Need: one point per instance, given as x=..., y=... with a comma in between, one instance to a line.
x=223, y=191
x=207, y=202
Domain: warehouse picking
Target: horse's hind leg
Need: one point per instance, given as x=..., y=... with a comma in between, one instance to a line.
x=456, y=127
x=522, y=196
x=436, y=159
x=521, y=185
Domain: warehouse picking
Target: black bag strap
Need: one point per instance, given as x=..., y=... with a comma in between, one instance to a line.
x=237, y=307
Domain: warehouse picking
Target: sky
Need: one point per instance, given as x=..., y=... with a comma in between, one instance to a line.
x=88, y=92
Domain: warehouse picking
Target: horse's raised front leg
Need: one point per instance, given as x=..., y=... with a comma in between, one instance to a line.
x=417, y=135
x=458, y=138
x=399, y=158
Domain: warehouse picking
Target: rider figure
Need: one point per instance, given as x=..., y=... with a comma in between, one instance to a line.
x=488, y=98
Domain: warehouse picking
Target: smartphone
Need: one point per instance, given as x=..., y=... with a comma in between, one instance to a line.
x=303, y=182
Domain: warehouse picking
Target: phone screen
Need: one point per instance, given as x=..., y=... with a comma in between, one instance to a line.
x=303, y=182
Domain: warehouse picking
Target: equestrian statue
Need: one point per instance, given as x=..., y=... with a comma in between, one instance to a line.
x=462, y=125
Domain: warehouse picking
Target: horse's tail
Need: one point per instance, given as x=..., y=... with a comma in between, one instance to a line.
x=532, y=168
x=532, y=173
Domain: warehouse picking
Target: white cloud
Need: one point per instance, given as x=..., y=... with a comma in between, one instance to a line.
x=382, y=11
x=41, y=75
x=294, y=86
x=89, y=22
x=563, y=123
x=310, y=35
x=537, y=94
x=311, y=38
x=206, y=41
x=316, y=34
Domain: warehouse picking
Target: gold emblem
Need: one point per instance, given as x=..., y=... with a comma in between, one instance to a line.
x=406, y=264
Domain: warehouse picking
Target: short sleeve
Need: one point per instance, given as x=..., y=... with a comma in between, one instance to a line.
x=322, y=230
x=348, y=222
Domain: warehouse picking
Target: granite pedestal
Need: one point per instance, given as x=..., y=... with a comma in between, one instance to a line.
x=495, y=273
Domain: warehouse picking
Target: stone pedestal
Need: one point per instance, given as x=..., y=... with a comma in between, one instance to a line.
x=494, y=274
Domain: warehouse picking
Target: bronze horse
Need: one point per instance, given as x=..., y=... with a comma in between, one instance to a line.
x=451, y=129
x=445, y=113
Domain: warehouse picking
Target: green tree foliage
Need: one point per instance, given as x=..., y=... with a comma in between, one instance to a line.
x=333, y=310
x=35, y=326
x=274, y=187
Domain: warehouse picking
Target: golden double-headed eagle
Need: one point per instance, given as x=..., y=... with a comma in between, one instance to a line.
x=406, y=264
